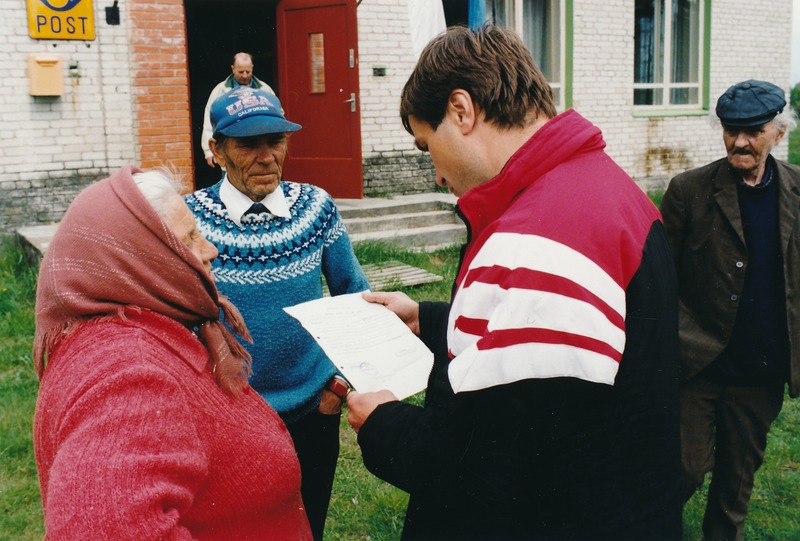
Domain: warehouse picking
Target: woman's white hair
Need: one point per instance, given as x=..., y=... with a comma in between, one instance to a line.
x=160, y=186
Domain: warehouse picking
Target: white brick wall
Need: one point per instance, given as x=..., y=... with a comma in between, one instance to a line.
x=50, y=147
x=49, y=143
x=751, y=39
x=384, y=39
x=749, y=42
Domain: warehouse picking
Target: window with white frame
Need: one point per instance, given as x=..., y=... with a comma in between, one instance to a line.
x=541, y=23
x=668, y=54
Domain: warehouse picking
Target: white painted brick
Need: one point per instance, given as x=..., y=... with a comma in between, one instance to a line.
x=91, y=129
x=65, y=137
x=602, y=80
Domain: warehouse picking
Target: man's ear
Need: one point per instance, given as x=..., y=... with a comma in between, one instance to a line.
x=779, y=137
x=216, y=150
x=462, y=109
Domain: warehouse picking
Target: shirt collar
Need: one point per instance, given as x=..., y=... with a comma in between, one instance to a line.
x=238, y=203
x=235, y=83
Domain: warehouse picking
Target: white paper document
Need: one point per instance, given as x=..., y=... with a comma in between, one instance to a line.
x=368, y=343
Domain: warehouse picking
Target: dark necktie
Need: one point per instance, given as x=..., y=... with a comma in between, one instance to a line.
x=256, y=208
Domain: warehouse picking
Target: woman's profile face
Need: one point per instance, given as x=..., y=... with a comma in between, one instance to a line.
x=181, y=221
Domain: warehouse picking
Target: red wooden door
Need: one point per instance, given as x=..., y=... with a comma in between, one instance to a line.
x=318, y=86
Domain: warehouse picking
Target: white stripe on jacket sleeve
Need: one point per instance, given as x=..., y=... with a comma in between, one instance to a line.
x=531, y=332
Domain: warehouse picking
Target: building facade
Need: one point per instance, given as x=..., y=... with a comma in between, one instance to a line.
x=647, y=72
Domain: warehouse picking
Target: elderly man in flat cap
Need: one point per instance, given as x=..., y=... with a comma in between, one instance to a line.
x=276, y=240
x=734, y=227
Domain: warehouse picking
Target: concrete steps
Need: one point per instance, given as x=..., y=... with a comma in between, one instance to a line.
x=421, y=222
x=35, y=239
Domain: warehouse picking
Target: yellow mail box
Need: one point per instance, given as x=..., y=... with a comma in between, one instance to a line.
x=45, y=75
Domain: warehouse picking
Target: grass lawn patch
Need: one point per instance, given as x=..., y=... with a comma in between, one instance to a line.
x=362, y=507
x=794, y=147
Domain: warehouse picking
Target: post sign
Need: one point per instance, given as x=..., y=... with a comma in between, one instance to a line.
x=61, y=19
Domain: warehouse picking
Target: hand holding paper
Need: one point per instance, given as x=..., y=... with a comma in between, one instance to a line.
x=368, y=343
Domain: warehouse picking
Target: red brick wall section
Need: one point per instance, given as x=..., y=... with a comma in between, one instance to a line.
x=161, y=85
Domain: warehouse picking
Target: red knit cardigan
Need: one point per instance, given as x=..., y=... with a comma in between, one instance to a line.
x=135, y=440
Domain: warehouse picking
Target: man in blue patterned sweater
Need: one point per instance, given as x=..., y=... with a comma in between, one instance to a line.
x=276, y=240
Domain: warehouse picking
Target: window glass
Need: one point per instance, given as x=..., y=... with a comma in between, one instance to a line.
x=667, y=40
x=541, y=31
x=540, y=23
x=500, y=12
x=686, y=40
x=316, y=63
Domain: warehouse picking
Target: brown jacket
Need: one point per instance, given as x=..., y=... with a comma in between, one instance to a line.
x=701, y=215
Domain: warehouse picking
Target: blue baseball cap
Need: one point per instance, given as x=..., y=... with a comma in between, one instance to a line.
x=246, y=111
x=750, y=103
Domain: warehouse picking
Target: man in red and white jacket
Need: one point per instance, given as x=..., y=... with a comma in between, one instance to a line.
x=552, y=407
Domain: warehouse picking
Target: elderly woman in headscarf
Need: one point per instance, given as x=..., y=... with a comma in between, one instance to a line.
x=145, y=425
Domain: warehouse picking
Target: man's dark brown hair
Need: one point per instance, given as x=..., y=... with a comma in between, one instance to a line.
x=492, y=64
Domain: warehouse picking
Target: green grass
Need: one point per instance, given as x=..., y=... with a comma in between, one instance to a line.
x=656, y=197
x=775, y=504
x=362, y=507
x=794, y=147
x=442, y=262
x=20, y=508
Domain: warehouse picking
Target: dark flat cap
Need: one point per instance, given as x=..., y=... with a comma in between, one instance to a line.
x=750, y=103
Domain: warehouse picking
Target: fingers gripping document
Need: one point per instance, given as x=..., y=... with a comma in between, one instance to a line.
x=368, y=343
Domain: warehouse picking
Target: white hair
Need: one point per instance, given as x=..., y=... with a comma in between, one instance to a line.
x=785, y=121
x=160, y=186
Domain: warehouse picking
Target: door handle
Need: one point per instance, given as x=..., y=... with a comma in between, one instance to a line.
x=352, y=102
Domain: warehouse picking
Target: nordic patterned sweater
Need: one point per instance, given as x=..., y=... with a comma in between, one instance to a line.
x=268, y=263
